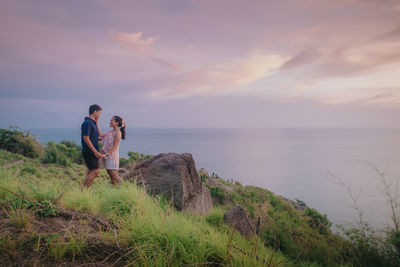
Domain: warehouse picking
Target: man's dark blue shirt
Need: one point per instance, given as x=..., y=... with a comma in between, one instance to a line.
x=89, y=128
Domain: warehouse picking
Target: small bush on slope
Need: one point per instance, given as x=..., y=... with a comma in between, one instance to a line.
x=20, y=142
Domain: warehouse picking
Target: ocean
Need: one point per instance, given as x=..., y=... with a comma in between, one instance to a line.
x=297, y=163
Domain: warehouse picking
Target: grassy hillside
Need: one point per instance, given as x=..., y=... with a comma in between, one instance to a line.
x=299, y=234
x=47, y=218
x=145, y=230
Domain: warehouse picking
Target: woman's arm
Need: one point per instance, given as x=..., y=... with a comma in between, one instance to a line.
x=117, y=140
x=101, y=135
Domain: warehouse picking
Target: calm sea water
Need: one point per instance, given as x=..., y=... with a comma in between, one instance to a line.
x=292, y=162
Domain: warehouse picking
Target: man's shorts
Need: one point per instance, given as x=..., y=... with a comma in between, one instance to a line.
x=92, y=163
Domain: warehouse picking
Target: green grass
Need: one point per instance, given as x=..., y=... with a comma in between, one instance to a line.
x=60, y=247
x=157, y=234
x=19, y=217
x=300, y=235
x=7, y=157
x=160, y=235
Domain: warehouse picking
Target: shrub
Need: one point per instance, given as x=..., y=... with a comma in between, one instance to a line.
x=275, y=201
x=73, y=151
x=53, y=154
x=135, y=156
x=318, y=220
x=394, y=238
x=217, y=194
x=203, y=176
x=65, y=153
x=20, y=142
x=123, y=161
x=372, y=247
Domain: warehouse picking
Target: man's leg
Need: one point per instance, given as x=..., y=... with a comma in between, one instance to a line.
x=92, y=164
x=91, y=175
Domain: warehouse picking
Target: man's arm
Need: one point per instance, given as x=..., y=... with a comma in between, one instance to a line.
x=90, y=145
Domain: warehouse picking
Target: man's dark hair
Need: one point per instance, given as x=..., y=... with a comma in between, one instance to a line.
x=94, y=108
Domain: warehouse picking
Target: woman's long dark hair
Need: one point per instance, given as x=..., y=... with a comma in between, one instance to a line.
x=119, y=120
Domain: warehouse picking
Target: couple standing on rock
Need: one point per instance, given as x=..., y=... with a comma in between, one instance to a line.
x=109, y=155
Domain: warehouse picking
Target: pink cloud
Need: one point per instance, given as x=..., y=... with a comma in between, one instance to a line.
x=218, y=78
x=390, y=96
x=302, y=58
x=328, y=52
x=322, y=42
x=167, y=63
x=134, y=41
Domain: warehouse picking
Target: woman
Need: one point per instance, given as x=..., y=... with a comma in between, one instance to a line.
x=111, y=141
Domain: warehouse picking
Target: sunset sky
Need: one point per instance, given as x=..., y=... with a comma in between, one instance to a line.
x=208, y=63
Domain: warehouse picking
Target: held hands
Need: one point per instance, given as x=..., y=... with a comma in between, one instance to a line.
x=104, y=155
x=99, y=155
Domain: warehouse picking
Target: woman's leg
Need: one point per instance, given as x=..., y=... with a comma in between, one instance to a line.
x=115, y=179
x=111, y=175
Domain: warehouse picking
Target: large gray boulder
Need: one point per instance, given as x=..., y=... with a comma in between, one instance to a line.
x=200, y=204
x=237, y=218
x=174, y=175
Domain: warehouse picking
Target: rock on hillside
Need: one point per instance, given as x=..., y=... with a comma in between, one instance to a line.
x=201, y=203
x=237, y=218
x=174, y=175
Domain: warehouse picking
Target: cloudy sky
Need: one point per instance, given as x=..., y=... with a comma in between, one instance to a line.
x=209, y=63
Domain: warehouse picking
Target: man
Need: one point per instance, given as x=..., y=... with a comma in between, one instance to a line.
x=90, y=144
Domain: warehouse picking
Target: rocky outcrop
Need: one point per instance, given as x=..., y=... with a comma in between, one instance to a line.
x=200, y=204
x=237, y=218
x=214, y=182
x=174, y=176
x=203, y=173
x=298, y=205
x=122, y=172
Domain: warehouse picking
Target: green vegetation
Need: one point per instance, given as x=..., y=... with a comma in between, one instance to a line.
x=20, y=218
x=317, y=220
x=218, y=194
x=60, y=247
x=20, y=142
x=43, y=190
x=301, y=235
x=304, y=235
x=65, y=153
x=133, y=157
x=154, y=232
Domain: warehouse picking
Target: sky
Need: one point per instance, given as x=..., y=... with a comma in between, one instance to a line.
x=208, y=63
